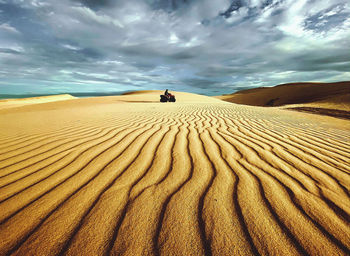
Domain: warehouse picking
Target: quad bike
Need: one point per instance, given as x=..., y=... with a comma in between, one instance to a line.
x=167, y=98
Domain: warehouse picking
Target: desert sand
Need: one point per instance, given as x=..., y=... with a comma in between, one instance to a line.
x=127, y=175
x=332, y=95
x=10, y=103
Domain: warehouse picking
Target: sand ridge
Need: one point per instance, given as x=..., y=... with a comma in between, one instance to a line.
x=10, y=103
x=322, y=95
x=121, y=176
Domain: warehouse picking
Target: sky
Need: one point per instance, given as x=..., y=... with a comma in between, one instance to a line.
x=209, y=47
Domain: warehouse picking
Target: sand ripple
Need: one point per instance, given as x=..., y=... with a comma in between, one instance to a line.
x=180, y=179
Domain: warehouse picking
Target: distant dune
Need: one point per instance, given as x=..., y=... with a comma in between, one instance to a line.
x=332, y=99
x=127, y=175
x=10, y=103
x=294, y=93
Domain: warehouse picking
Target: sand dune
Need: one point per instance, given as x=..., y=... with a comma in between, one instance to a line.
x=320, y=94
x=339, y=102
x=10, y=103
x=126, y=175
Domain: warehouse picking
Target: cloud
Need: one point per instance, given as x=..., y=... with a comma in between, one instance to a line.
x=8, y=28
x=201, y=46
x=13, y=50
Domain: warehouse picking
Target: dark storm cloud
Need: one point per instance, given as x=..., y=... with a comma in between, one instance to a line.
x=196, y=45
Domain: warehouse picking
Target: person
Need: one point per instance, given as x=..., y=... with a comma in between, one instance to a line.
x=167, y=97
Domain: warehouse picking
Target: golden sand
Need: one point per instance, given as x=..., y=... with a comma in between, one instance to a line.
x=127, y=175
x=10, y=103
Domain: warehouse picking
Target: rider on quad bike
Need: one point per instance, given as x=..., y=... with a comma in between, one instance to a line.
x=167, y=97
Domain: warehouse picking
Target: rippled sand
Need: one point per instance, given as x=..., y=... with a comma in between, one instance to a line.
x=129, y=176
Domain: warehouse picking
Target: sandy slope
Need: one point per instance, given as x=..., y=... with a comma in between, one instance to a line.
x=329, y=95
x=339, y=102
x=10, y=103
x=117, y=176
